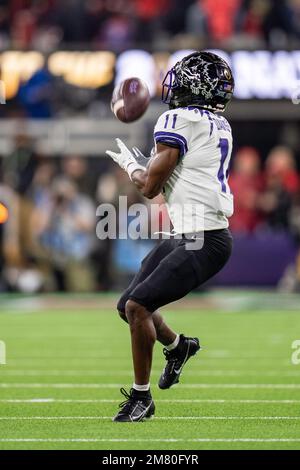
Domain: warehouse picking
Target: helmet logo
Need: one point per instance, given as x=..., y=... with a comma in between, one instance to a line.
x=198, y=81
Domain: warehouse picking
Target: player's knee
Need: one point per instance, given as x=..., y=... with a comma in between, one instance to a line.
x=134, y=311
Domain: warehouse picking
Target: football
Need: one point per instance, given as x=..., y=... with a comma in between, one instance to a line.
x=130, y=100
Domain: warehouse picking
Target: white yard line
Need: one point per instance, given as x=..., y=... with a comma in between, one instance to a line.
x=182, y=386
x=183, y=400
x=95, y=372
x=161, y=418
x=82, y=360
x=58, y=440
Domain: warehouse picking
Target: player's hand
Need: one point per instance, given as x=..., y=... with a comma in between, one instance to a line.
x=124, y=158
x=140, y=157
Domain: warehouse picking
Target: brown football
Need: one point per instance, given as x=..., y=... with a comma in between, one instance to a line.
x=130, y=99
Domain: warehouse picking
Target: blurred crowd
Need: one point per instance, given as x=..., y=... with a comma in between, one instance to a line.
x=265, y=197
x=49, y=241
x=119, y=24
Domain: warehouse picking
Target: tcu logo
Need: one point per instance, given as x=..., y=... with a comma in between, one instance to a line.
x=133, y=86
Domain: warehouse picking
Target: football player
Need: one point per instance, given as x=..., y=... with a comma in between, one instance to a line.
x=189, y=166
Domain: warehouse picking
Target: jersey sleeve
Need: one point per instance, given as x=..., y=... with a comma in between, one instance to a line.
x=174, y=130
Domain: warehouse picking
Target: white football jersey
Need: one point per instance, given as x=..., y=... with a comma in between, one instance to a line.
x=197, y=193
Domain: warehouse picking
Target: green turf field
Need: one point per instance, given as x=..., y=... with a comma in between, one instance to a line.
x=65, y=366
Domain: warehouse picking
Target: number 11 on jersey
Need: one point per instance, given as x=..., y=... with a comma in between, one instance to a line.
x=173, y=122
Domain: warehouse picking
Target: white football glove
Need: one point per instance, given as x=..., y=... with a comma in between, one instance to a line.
x=140, y=157
x=125, y=159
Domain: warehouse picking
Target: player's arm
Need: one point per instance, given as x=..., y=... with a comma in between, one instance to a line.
x=151, y=180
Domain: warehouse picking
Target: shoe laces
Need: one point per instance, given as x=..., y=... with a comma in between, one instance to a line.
x=128, y=396
x=170, y=355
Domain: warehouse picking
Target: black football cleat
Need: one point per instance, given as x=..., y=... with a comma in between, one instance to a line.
x=138, y=406
x=187, y=347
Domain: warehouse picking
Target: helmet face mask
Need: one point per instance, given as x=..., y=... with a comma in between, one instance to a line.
x=201, y=79
x=168, y=86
